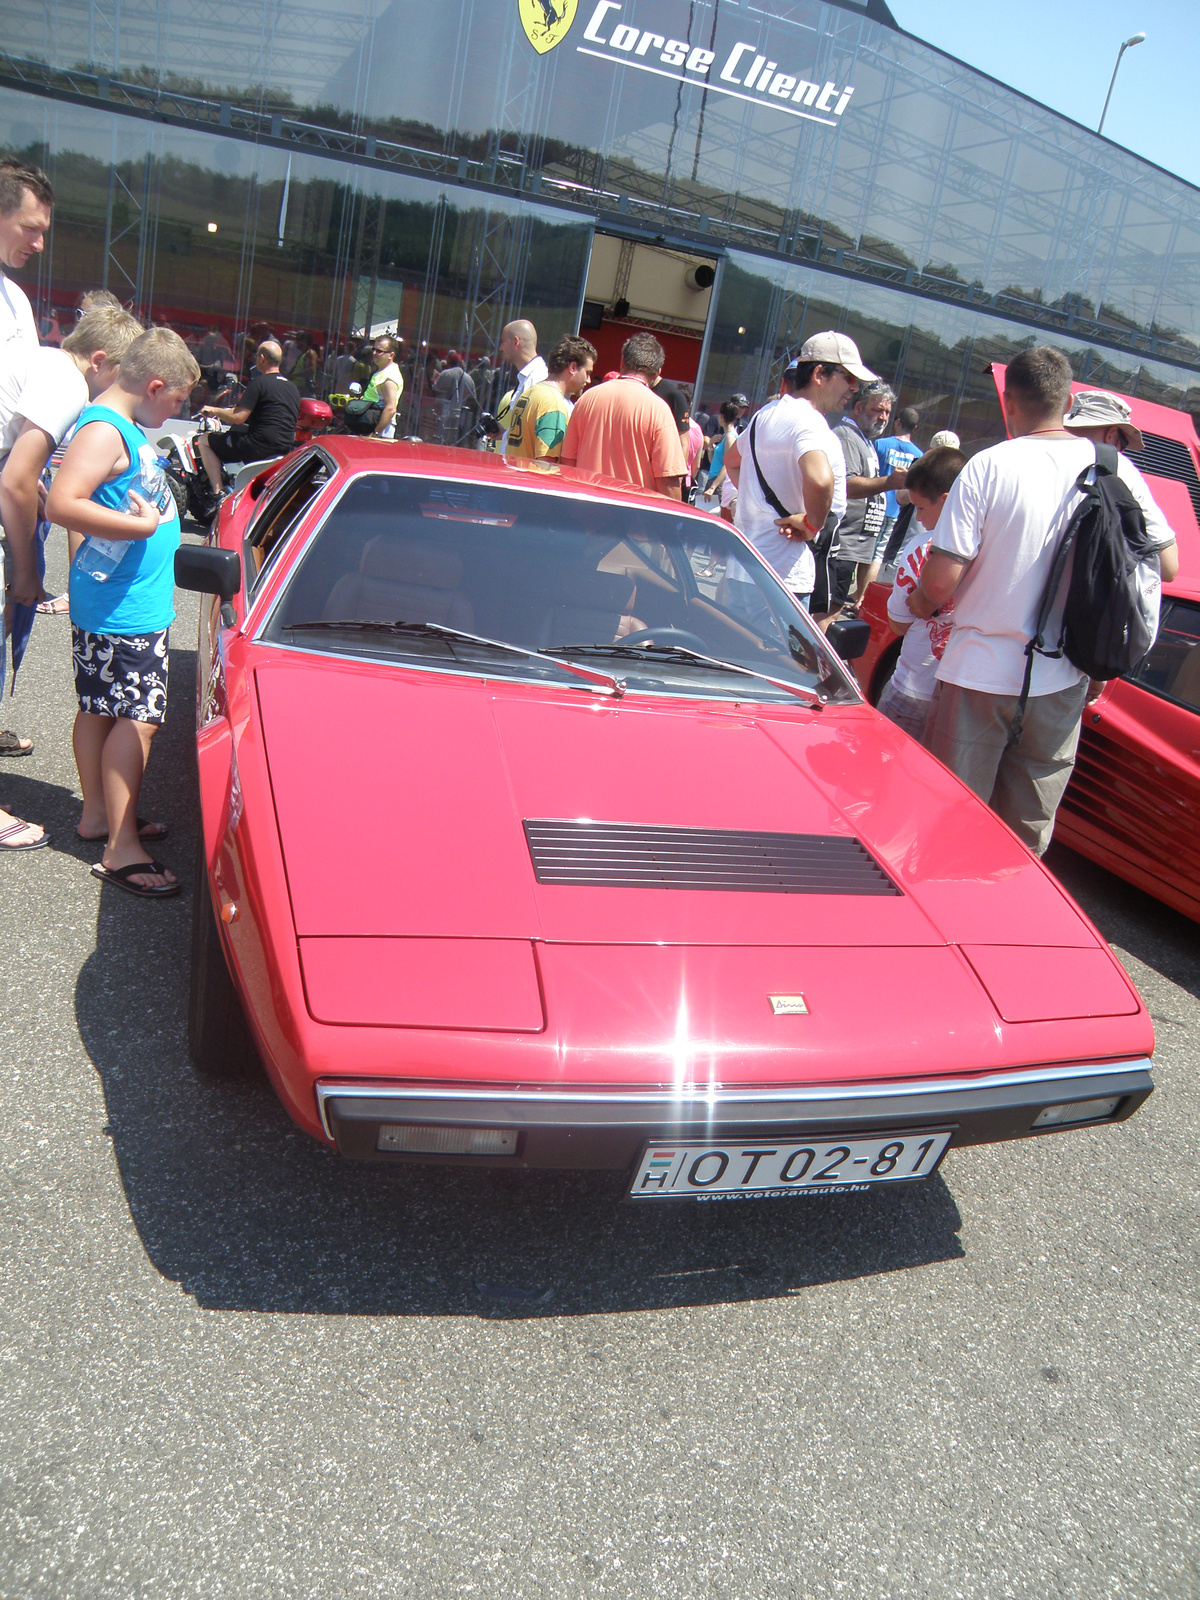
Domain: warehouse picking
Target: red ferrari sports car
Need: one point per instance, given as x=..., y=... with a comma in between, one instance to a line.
x=542, y=828
x=1133, y=803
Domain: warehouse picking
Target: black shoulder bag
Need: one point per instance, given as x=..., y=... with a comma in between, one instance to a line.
x=769, y=495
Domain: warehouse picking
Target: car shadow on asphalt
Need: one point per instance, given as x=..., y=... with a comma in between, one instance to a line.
x=1161, y=937
x=247, y=1213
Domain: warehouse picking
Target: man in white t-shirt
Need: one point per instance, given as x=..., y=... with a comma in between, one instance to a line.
x=995, y=544
x=799, y=458
x=26, y=201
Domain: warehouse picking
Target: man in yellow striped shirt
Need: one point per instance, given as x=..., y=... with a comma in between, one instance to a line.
x=539, y=418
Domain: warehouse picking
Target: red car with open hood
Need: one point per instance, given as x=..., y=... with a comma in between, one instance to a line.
x=541, y=827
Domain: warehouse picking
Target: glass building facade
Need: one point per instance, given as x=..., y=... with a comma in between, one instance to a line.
x=322, y=168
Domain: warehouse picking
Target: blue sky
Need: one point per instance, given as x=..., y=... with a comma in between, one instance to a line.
x=1062, y=53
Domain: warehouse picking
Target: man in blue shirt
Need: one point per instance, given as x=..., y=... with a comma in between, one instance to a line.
x=897, y=450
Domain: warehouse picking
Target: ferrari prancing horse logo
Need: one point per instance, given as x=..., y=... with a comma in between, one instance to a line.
x=547, y=22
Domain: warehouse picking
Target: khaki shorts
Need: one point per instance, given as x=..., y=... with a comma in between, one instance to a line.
x=904, y=710
x=968, y=732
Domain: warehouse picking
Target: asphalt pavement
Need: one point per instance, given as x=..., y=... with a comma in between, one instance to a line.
x=234, y=1365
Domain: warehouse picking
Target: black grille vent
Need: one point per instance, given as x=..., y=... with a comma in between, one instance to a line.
x=630, y=856
x=1169, y=458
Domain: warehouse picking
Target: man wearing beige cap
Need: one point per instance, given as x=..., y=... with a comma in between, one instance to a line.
x=790, y=502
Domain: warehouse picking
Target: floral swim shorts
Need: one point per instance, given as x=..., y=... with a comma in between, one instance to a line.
x=121, y=674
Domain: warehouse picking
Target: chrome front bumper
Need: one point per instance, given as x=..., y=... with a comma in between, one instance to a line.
x=607, y=1127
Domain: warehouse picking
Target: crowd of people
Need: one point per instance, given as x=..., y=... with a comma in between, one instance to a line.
x=818, y=480
x=828, y=491
x=97, y=393
x=970, y=578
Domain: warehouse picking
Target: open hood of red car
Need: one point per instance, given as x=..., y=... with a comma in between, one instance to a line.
x=403, y=797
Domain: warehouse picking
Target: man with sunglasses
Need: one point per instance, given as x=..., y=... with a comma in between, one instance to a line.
x=386, y=385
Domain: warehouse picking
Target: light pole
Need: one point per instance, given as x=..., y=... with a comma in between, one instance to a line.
x=1137, y=39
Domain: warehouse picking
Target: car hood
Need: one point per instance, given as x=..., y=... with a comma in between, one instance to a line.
x=402, y=799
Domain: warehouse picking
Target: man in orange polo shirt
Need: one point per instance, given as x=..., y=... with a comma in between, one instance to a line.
x=623, y=430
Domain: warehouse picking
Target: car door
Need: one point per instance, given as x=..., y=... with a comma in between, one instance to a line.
x=1133, y=802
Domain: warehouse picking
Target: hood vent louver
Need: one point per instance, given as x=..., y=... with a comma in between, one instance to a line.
x=633, y=856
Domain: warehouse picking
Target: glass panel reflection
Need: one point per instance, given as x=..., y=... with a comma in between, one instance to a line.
x=895, y=154
x=229, y=242
x=936, y=356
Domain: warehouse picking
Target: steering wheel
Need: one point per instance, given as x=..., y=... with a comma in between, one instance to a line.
x=664, y=634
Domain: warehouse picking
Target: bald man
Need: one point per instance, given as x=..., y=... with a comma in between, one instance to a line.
x=518, y=344
x=261, y=425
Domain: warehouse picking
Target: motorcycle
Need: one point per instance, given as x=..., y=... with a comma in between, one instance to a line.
x=185, y=474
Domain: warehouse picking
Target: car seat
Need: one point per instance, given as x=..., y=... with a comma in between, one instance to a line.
x=1186, y=683
x=599, y=601
x=401, y=582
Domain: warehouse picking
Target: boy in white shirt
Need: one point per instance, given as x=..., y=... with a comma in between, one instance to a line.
x=56, y=386
x=905, y=699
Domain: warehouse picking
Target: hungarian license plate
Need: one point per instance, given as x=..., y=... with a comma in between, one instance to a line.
x=750, y=1169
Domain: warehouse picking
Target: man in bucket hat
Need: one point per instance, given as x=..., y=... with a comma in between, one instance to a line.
x=1096, y=414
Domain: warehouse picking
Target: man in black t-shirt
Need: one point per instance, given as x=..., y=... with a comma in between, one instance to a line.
x=675, y=397
x=263, y=422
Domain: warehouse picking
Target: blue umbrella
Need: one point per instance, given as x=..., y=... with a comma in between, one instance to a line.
x=22, y=616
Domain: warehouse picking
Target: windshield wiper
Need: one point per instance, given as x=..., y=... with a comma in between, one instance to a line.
x=679, y=652
x=601, y=682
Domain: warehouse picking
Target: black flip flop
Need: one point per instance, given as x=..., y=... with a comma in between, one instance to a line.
x=119, y=877
x=10, y=745
x=148, y=833
x=19, y=827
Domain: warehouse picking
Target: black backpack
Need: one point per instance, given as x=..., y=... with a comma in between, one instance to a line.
x=1107, y=627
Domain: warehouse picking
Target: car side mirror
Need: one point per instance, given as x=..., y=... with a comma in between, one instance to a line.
x=849, y=637
x=210, y=571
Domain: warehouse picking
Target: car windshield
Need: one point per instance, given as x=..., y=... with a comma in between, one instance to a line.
x=524, y=584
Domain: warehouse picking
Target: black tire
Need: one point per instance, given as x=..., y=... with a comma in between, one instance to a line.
x=219, y=1039
x=200, y=501
x=178, y=494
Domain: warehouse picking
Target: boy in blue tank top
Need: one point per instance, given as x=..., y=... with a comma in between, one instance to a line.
x=111, y=489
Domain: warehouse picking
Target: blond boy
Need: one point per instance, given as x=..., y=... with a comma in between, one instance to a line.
x=111, y=489
x=48, y=396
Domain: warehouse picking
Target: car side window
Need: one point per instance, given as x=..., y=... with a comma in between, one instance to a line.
x=282, y=511
x=1171, y=667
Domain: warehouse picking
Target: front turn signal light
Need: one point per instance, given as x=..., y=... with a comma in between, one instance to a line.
x=1077, y=1111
